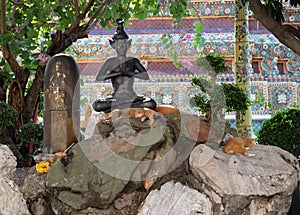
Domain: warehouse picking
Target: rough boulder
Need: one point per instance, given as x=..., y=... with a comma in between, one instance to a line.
x=236, y=184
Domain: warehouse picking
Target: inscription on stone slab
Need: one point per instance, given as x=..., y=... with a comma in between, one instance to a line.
x=59, y=126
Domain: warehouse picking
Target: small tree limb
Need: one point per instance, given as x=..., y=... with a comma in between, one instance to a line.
x=62, y=40
x=274, y=27
x=33, y=94
x=8, y=56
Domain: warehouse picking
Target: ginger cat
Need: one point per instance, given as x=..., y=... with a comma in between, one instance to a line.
x=142, y=113
x=239, y=145
x=167, y=109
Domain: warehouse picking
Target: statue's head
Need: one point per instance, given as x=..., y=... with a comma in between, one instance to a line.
x=120, y=41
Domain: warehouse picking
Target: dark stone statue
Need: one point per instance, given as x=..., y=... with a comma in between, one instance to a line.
x=122, y=70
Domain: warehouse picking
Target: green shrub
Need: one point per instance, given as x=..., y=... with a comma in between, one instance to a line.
x=31, y=130
x=282, y=130
x=8, y=116
x=213, y=61
x=228, y=96
x=233, y=97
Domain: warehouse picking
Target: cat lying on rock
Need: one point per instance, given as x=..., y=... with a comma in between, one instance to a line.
x=238, y=145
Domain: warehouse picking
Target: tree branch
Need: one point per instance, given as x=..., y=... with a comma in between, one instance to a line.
x=8, y=56
x=88, y=7
x=76, y=8
x=97, y=15
x=13, y=20
x=79, y=17
x=274, y=27
x=62, y=40
x=33, y=94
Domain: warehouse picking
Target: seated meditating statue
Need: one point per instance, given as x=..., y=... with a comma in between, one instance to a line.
x=122, y=70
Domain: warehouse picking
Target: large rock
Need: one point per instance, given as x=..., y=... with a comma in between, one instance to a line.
x=175, y=198
x=36, y=193
x=94, y=176
x=11, y=199
x=241, y=185
x=112, y=171
x=8, y=161
x=120, y=150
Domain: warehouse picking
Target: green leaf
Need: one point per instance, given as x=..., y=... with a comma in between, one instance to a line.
x=198, y=27
x=176, y=64
x=4, y=38
x=84, y=101
x=165, y=40
x=81, y=82
x=141, y=15
x=2, y=62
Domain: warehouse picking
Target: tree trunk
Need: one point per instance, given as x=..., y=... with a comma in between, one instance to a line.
x=33, y=95
x=3, y=88
x=243, y=122
x=288, y=38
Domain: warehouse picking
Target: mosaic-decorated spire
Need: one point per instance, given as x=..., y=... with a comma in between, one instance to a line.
x=243, y=122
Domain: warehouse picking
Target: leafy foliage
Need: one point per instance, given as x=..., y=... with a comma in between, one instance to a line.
x=236, y=98
x=201, y=101
x=30, y=24
x=282, y=130
x=228, y=96
x=30, y=131
x=198, y=40
x=8, y=115
x=213, y=62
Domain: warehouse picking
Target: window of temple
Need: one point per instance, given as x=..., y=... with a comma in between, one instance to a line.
x=282, y=66
x=256, y=65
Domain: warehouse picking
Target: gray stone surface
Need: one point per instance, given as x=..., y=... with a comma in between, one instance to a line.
x=11, y=199
x=106, y=175
x=241, y=185
x=97, y=171
x=176, y=199
x=35, y=192
x=121, y=148
x=8, y=161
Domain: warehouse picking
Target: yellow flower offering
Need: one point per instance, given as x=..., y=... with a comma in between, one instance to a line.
x=42, y=166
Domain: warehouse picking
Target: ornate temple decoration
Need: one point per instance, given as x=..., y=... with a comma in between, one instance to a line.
x=268, y=58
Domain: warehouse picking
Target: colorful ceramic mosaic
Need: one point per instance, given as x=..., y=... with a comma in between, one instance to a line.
x=170, y=85
x=279, y=95
x=149, y=46
x=259, y=95
x=212, y=8
x=283, y=96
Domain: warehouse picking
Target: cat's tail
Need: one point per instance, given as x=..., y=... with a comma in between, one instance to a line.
x=228, y=151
